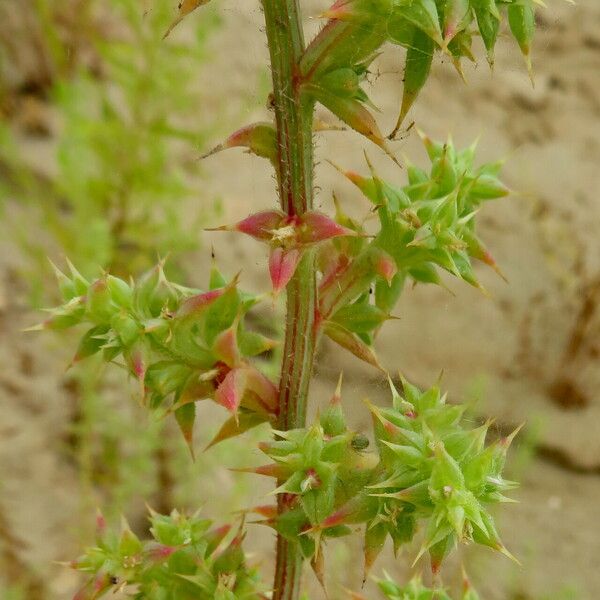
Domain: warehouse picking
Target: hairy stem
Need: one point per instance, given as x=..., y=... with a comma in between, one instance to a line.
x=293, y=116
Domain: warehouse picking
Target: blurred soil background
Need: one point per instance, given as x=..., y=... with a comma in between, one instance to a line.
x=529, y=352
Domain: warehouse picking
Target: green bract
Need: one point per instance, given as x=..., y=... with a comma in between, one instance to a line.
x=415, y=590
x=431, y=221
x=187, y=559
x=319, y=469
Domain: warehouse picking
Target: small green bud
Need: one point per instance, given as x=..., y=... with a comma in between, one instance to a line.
x=341, y=82
x=332, y=420
x=120, y=292
x=126, y=327
x=99, y=303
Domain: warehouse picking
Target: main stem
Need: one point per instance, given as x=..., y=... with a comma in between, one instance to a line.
x=293, y=116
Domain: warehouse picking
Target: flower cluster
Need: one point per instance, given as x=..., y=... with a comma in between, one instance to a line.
x=425, y=225
x=186, y=559
x=435, y=470
x=288, y=237
x=430, y=471
x=181, y=344
x=318, y=470
x=431, y=221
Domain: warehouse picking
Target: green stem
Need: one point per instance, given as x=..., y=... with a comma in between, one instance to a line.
x=293, y=117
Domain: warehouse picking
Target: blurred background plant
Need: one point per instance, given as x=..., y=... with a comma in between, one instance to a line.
x=117, y=114
x=122, y=166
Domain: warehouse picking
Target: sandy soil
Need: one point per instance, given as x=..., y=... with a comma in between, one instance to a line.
x=529, y=351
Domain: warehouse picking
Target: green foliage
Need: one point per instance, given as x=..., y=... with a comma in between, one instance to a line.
x=431, y=472
x=436, y=471
x=335, y=61
x=122, y=175
x=415, y=590
x=426, y=225
x=181, y=345
x=322, y=467
x=186, y=559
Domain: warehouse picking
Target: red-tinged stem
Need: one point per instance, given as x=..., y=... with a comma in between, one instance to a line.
x=293, y=116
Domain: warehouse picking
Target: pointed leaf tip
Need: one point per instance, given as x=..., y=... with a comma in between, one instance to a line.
x=185, y=8
x=282, y=266
x=186, y=417
x=352, y=343
x=231, y=390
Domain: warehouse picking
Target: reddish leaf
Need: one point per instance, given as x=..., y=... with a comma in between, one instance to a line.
x=282, y=266
x=385, y=266
x=198, y=303
x=275, y=470
x=259, y=138
x=215, y=536
x=259, y=225
x=236, y=425
x=226, y=347
x=348, y=340
x=265, y=510
x=317, y=227
x=231, y=391
x=160, y=552
x=264, y=389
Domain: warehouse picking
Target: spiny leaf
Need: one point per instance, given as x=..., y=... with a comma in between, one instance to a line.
x=488, y=22
x=237, y=426
x=456, y=16
x=419, y=58
x=521, y=18
x=258, y=138
x=422, y=14
x=185, y=8
x=231, y=390
x=282, y=266
x=186, y=417
x=348, y=340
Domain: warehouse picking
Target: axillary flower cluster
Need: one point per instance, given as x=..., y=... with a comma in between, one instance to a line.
x=428, y=476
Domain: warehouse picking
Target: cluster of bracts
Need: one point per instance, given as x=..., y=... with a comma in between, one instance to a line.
x=429, y=472
x=185, y=345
